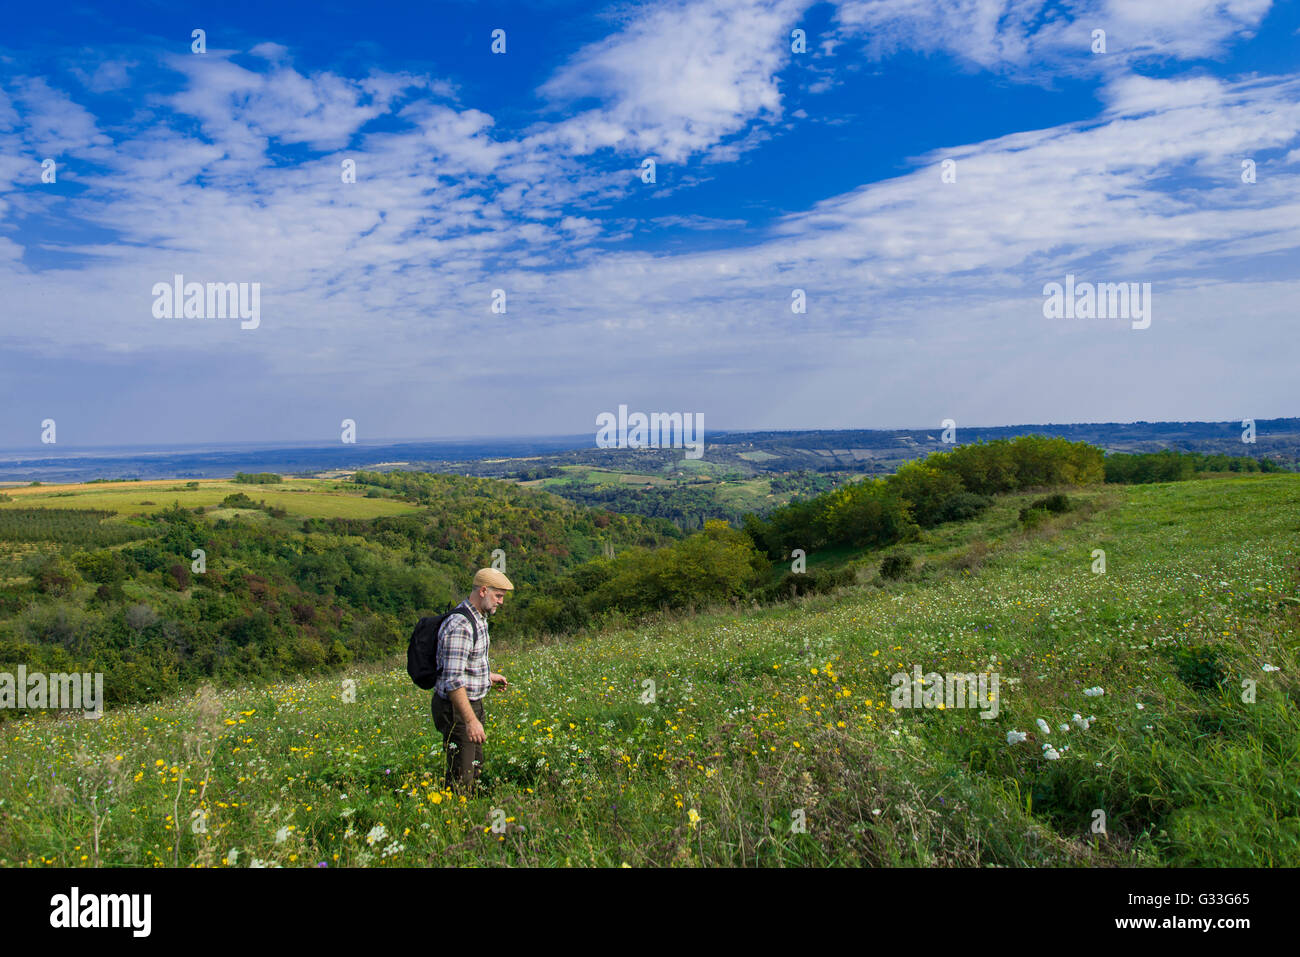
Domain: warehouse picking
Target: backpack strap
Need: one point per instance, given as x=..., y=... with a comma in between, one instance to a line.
x=469, y=615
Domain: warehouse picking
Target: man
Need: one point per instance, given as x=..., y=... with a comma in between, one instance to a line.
x=464, y=679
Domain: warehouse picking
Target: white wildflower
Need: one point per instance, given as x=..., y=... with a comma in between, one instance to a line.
x=1044, y=727
x=1015, y=737
x=1093, y=692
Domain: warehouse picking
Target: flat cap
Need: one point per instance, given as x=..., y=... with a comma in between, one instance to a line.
x=493, y=579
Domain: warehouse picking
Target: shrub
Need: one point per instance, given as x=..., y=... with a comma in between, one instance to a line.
x=867, y=515
x=895, y=566
x=110, y=593
x=103, y=566
x=178, y=577
x=58, y=576
x=794, y=584
x=1056, y=504
x=926, y=490
x=1032, y=518
x=963, y=505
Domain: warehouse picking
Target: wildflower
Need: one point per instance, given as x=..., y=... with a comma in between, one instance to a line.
x=1093, y=692
x=1043, y=726
x=282, y=835
x=1015, y=737
x=377, y=833
x=694, y=816
x=1271, y=668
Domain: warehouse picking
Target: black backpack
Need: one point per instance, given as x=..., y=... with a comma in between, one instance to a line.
x=422, y=652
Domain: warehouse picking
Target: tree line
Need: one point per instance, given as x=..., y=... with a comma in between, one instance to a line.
x=1170, y=465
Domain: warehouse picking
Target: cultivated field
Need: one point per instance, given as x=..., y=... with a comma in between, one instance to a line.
x=305, y=498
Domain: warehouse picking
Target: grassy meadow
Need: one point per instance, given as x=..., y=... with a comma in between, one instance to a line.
x=759, y=737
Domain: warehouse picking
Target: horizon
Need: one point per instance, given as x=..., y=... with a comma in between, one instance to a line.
x=272, y=444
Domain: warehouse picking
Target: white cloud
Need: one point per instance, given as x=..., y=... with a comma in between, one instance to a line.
x=110, y=75
x=1013, y=35
x=245, y=108
x=676, y=80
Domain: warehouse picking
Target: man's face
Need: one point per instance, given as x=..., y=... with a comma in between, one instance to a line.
x=492, y=599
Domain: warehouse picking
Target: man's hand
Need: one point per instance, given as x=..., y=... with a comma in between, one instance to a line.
x=476, y=732
x=497, y=679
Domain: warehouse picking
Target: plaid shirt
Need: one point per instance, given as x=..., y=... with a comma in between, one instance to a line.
x=463, y=663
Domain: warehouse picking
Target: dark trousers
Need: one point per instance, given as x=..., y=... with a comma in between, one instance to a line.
x=464, y=757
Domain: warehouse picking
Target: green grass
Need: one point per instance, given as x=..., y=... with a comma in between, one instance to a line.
x=762, y=718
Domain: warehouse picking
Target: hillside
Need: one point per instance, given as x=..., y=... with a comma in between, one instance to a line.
x=768, y=736
x=164, y=586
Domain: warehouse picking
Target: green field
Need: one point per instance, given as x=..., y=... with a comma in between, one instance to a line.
x=305, y=498
x=765, y=720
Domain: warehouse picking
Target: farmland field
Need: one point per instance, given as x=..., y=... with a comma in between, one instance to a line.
x=1165, y=684
x=307, y=498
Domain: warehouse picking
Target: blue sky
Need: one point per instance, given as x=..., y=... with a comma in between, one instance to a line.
x=521, y=171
